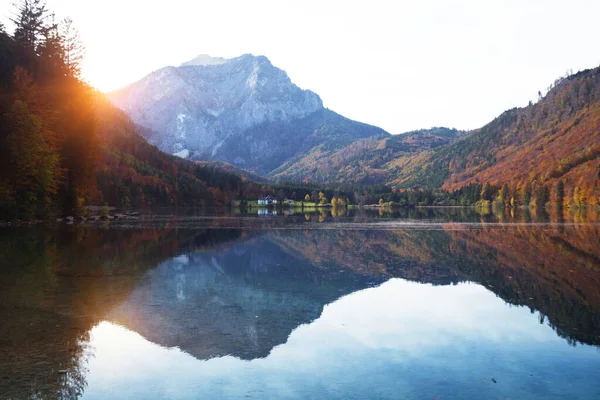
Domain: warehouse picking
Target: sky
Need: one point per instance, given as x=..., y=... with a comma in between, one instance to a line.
x=400, y=65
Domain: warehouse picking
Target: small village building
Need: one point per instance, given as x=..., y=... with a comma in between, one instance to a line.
x=267, y=200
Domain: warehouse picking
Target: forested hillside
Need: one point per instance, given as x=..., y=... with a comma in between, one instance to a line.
x=546, y=153
x=268, y=146
x=552, y=146
x=363, y=161
x=133, y=173
x=48, y=140
x=63, y=145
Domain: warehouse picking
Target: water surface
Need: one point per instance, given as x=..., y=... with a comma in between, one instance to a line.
x=358, y=305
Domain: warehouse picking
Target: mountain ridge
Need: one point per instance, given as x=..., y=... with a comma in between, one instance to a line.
x=529, y=149
x=549, y=150
x=204, y=59
x=555, y=139
x=204, y=112
x=363, y=161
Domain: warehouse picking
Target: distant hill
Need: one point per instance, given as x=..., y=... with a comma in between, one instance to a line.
x=555, y=139
x=243, y=111
x=363, y=161
x=226, y=168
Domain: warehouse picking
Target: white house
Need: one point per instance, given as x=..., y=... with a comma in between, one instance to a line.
x=267, y=200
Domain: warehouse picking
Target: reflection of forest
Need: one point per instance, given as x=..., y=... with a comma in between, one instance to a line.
x=57, y=284
x=554, y=269
x=448, y=214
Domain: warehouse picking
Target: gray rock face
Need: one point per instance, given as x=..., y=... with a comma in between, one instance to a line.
x=197, y=106
x=206, y=107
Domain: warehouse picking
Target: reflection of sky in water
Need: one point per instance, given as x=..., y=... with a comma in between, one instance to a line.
x=399, y=340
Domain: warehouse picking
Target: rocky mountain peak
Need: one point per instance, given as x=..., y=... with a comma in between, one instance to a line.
x=203, y=60
x=205, y=108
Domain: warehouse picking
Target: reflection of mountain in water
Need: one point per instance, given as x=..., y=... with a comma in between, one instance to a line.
x=242, y=301
x=247, y=299
x=217, y=292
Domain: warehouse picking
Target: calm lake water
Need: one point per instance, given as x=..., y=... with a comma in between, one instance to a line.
x=418, y=304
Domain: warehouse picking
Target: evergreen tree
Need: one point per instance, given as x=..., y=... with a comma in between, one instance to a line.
x=29, y=23
x=560, y=194
x=33, y=178
x=486, y=192
x=73, y=48
x=78, y=142
x=51, y=52
x=525, y=194
x=541, y=196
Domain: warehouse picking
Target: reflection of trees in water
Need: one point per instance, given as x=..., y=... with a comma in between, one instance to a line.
x=72, y=380
x=57, y=284
x=553, y=269
x=44, y=356
x=352, y=214
x=454, y=214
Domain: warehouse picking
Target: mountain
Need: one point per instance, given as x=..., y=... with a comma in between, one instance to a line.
x=559, y=133
x=529, y=149
x=363, y=161
x=205, y=59
x=548, y=150
x=244, y=111
x=64, y=145
x=133, y=173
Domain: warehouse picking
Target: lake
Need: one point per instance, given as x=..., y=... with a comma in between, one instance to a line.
x=414, y=304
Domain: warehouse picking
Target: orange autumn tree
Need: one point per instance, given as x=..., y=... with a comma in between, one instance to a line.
x=48, y=140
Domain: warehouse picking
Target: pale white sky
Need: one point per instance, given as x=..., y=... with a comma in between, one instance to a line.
x=401, y=65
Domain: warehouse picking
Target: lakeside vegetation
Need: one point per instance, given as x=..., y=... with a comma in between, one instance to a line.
x=476, y=195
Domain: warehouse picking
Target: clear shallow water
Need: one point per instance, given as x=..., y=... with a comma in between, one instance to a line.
x=167, y=309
